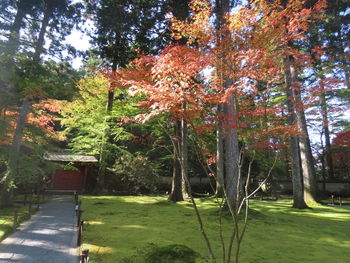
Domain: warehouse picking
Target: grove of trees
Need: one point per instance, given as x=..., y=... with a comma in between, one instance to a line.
x=233, y=91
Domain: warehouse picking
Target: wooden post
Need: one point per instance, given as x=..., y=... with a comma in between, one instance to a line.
x=78, y=212
x=38, y=201
x=30, y=205
x=340, y=200
x=15, y=220
x=84, y=256
x=332, y=199
x=76, y=197
x=25, y=198
x=80, y=232
x=79, y=216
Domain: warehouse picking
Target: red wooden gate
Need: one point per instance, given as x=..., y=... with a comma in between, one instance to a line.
x=68, y=180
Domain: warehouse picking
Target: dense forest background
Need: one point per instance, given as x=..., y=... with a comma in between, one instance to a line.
x=176, y=88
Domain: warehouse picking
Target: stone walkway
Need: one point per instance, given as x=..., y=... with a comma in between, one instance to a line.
x=48, y=237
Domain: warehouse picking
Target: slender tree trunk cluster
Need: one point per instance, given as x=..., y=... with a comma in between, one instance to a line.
x=303, y=172
x=179, y=191
x=220, y=179
x=13, y=160
x=176, y=184
x=327, y=155
x=100, y=186
x=228, y=179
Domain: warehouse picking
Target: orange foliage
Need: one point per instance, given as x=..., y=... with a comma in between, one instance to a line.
x=41, y=117
x=248, y=49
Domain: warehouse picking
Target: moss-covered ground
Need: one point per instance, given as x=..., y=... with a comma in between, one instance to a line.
x=7, y=214
x=6, y=219
x=116, y=227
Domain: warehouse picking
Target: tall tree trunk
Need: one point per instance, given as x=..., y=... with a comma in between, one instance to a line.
x=39, y=46
x=298, y=192
x=325, y=124
x=323, y=172
x=176, y=185
x=10, y=50
x=184, y=157
x=220, y=158
x=307, y=162
x=101, y=176
x=180, y=9
x=232, y=180
x=220, y=179
x=13, y=159
x=12, y=165
x=231, y=161
x=13, y=40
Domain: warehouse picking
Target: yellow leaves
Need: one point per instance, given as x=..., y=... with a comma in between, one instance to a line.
x=33, y=92
x=200, y=29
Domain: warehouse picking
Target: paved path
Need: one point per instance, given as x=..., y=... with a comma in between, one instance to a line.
x=49, y=237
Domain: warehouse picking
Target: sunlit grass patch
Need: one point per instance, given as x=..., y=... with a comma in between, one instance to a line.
x=116, y=227
x=7, y=216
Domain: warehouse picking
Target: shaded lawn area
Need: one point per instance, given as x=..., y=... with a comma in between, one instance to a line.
x=6, y=219
x=7, y=213
x=116, y=227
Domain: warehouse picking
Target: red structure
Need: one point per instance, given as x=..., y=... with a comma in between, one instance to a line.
x=72, y=179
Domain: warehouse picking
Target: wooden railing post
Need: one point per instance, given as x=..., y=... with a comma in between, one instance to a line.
x=30, y=205
x=78, y=212
x=25, y=198
x=76, y=197
x=15, y=220
x=80, y=232
x=38, y=201
x=84, y=256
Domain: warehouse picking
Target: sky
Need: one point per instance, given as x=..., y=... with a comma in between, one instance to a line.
x=80, y=41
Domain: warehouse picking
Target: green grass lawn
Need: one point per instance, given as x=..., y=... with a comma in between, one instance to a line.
x=6, y=219
x=7, y=214
x=116, y=227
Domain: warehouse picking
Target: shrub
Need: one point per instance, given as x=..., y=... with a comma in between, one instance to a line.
x=137, y=173
x=175, y=253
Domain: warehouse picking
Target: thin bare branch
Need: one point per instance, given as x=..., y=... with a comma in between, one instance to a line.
x=263, y=182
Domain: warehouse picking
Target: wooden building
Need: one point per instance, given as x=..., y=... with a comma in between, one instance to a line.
x=73, y=179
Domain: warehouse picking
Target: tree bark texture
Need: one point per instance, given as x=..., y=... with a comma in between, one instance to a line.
x=100, y=186
x=11, y=48
x=328, y=162
x=39, y=46
x=14, y=152
x=298, y=192
x=184, y=157
x=176, y=183
x=220, y=179
x=12, y=164
x=231, y=156
x=13, y=40
x=307, y=162
x=231, y=147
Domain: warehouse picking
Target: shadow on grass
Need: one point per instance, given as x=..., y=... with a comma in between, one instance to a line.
x=7, y=218
x=129, y=223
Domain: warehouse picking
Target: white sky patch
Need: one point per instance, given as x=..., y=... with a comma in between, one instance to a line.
x=207, y=73
x=80, y=41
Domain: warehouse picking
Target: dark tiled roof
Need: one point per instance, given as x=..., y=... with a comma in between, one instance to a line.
x=66, y=157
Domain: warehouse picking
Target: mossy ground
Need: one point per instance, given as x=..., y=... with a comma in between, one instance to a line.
x=6, y=219
x=116, y=227
x=7, y=214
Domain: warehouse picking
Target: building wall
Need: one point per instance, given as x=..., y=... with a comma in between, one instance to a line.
x=342, y=188
x=68, y=179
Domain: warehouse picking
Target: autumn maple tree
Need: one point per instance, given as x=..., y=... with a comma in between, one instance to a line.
x=246, y=53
